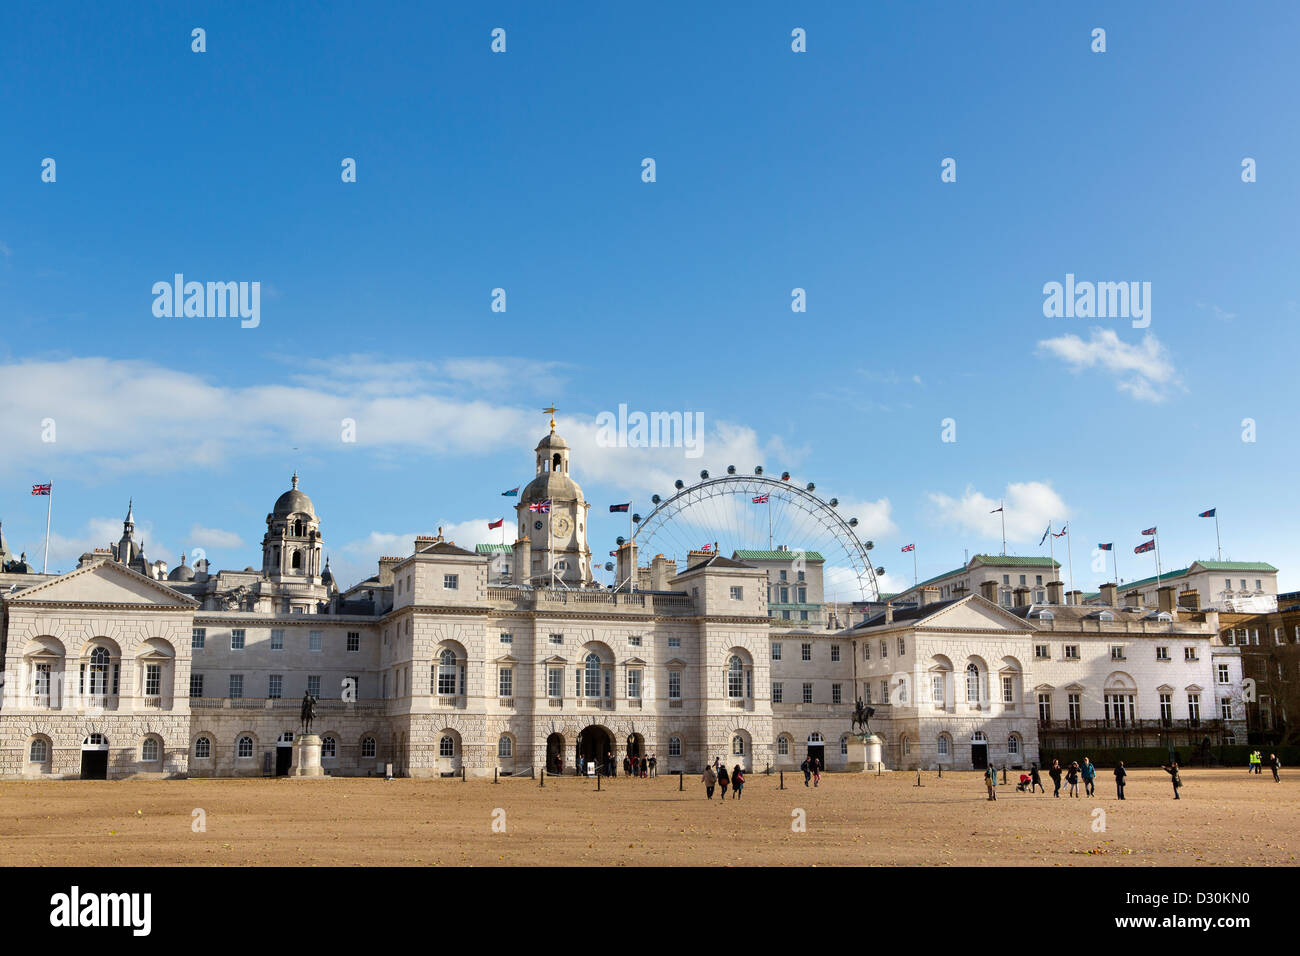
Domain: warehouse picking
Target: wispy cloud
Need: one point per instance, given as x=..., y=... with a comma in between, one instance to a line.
x=1029, y=506
x=1144, y=371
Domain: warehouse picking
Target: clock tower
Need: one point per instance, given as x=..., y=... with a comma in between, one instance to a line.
x=552, y=518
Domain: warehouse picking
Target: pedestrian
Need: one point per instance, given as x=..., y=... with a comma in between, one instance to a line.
x=582, y=765
x=710, y=778
x=1089, y=773
x=817, y=771
x=991, y=782
x=807, y=770
x=1035, y=780
x=1259, y=763
x=1275, y=765
x=611, y=768
x=1072, y=778
x=724, y=779
x=627, y=766
x=654, y=766
x=1055, y=774
x=1172, y=770
x=1120, y=774
x=737, y=781
x=645, y=768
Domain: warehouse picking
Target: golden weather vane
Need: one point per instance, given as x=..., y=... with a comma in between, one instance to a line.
x=551, y=411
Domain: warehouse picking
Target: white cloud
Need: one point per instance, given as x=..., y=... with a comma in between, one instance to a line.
x=1145, y=370
x=1029, y=506
x=214, y=538
x=65, y=550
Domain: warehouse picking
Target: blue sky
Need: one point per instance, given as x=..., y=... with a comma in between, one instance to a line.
x=775, y=170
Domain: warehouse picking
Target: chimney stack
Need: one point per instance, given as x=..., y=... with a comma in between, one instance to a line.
x=1055, y=592
x=1021, y=596
x=989, y=591
x=927, y=595
x=1108, y=593
x=1167, y=600
x=889, y=612
x=1074, y=597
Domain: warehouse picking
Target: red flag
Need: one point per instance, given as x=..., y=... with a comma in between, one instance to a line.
x=496, y=524
x=41, y=489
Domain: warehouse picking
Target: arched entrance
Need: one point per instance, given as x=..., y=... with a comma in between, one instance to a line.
x=817, y=748
x=94, y=757
x=555, y=753
x=284, y=754
x=595, y=745
x=979, y=750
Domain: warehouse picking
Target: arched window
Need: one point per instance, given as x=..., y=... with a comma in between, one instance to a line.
x=98, y=686
x=738, y=745
x=505, y=746
x=592, y=675
x=1013, y=744
x=40, y=751
x=844, y=746
x=447, y=673
x=203, y=748
x=735, y=678
x=674, y=746
x=149, y=749
x=244, y=748
x=368, y=748
x=978, y=737
x=815, y=738
x=942, y=745
x=296, y=561
x=96, y=740
x=972, y=682
x=329, y=747
x=907, y=745
x=783, y=746
x=555, y=462
x=446, y=746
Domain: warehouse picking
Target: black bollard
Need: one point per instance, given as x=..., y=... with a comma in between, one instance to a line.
x=940, y=771
x=598, y=776
x=463, y=778
x=782, y=775
x=494, y=775
x=680, y=784
x=541, y=779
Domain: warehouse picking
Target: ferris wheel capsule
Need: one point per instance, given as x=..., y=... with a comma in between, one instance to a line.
x=758, y=469
x=636, y=518
x=834, y=502
x=679, y=484
x=811, y=487
x=655, y=499
x=853, y=522
x=731, y=469
x=704, y=475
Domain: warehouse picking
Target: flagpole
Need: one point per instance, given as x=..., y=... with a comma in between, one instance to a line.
x=49, y=509
x=1069, y=552
x=914, y=575
x=1051, y=548
x=1114, y=556
x=769, y=522
x=1217, y=543
x=1002, y=509
x=1156, y=538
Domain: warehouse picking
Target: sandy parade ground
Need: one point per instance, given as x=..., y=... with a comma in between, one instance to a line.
x=1226, y=817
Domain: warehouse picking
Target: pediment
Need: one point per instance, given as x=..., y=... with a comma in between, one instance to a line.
x=675, y=662
x=975, y=613
x=556, y=659
x=633, y=660
x=104, y=582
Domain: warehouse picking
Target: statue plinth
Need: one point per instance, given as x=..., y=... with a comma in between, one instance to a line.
x=864, y=754
x=306, y=757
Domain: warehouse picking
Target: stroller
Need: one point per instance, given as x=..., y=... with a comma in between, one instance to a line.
x=1024, y=784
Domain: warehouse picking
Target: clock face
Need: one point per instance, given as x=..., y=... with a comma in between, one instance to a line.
x=561, y=525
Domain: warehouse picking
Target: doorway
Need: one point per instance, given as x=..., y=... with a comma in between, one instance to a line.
x=284, y=754
x=555, y=753
x=595, y=745
x=94, y=757
x=979, y=750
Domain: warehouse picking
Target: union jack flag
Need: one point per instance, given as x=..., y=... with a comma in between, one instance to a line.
x=542, y=506
x=707, y=547
x=1149, y=531
x=760, y=500
x=1145, y=546
x=41, y=489
x=908, y=547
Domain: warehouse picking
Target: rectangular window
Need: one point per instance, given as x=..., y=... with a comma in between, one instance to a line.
x=152, y=680
x=807, y=694
x=803, y=615
x=902, y=646
x=837, y=693
x=1008, y=691
x=1189, y=654
x=557, y=638
x=776, y=652
x=737, y=593
x=785, y=595
x=315, y=641
x=609, y=684
x=884, y=648
x=354, y=640
x=782, y=575
x=1071, y=652
x=236, y=685
x=237, y=639
x=1117, y=653
x=313, y=685
x=1194, y=708
x=506, y=682
x=674, y=643
x=634, y=640
x=555, y=682
x=1162, y=653
x=884, y=692
x=866, y=650
x=1223, y=674
x=937, y=688
x=1225, y=709
x=1042, y=652
x=274, y=684
x=835, y=653
x=277, y=639
x=450, y=582
x=507, y=639
x=674, y=685
x=801, y=575
x=805, y=652
x=803, y=595
x=1045, y=708
x=1022, y=580
x=196, y=685
x=1075, y=705
x=778, y=693
x=198, y=636
x=1166, y=707
x=634, y=685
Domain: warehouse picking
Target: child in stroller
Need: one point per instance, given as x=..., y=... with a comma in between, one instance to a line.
x=1024, y=784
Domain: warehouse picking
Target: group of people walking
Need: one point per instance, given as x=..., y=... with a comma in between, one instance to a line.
x=1257, y=762
x=632, y=766
x=716, y=775
x=1073, y=775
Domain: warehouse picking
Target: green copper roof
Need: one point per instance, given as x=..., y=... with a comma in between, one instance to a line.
x=993, y=561
x=494, y=548
x=777, y=555
x=1262, y=567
